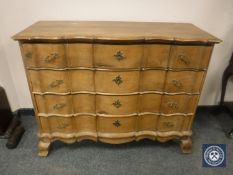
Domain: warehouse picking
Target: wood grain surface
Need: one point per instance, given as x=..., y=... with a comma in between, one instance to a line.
x=108, y=30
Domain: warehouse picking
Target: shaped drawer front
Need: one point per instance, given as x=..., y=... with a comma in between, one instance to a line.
x=44, y=55
x=179, y=104
x=184, y=81
x=84, y=103
x=152, y=80
x=190, y=56
x=85, y=123
x=81, y=123
x=118, y=56
x=147, y=122
x=49, y=81
x=174, y=123
x=54, y=104
x=117, y=82
x=79, y=55
x=56, y=124
x=150, y=102
x=156, y=55
x=116, y=124
x=116, y=104
x=82, y=80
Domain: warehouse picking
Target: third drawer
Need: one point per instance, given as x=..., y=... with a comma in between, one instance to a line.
x=116, y=105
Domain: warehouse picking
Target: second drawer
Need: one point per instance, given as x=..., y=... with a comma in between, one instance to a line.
x=115, y=81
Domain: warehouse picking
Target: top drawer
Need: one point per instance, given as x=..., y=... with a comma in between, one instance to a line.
x=118, y=56
x=50, y=55
x=44, y=55
x=57, y=55
x=82, y=55
x=186, y=57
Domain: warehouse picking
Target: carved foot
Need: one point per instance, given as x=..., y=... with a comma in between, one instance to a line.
x=43, y=148
x=186, y=145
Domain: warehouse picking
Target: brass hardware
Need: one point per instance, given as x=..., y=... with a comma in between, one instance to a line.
x=184, y=59
x=117, y=103
x=177, y=83
x=168, y=124
x=59, y=106
x=56, y=83
x=117, y=123
x=28, y=55
x=118, y=80
x=119, y=55
x=172, y=105
x=51, y=58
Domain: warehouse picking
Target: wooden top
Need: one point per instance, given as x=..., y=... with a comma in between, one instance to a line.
x=120, y=31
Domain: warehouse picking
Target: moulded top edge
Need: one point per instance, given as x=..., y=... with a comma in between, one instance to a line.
x=114, y=31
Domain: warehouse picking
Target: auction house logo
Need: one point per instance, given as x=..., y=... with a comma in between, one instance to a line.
x=214, y=155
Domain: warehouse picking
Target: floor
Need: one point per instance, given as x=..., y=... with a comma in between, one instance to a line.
x=136, y=158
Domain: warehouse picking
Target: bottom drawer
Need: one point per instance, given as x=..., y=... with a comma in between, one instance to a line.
x=174, y=123
x=147, y=122
x=53, y=124
x=127, y=124
x=116, y=124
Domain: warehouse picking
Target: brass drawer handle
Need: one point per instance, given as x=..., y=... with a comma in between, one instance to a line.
x=177, y=83
x=168, y=124
x=118, y=80
x=56, y=83
x=119, y=55
x=51, y=58
x=117, y=123
x=117, y=103
x=59, y=106
x=184, y=59
x=173, y=105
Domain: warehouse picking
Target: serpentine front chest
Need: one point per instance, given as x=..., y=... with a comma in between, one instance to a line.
x=115, y=82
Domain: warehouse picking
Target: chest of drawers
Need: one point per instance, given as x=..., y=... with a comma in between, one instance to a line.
x=115, y=82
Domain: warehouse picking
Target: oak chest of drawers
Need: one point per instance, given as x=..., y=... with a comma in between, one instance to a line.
x=115, y=81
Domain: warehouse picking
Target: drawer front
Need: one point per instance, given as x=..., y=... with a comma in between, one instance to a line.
x=118, y=56
x=150, y=102
x=49, y=81
x=184, y=81
x=190, y=57
x=82, y=80
x=147, y=122
x=44, y=55
x=156, y=55
x=54, y=104
x=152, y=80
x=85, y=123
x=174, y=123
x=79, y=55
x=56, y=124
x=84, y=103
x=117, y=82
x=116, y=124
x=82, y=123
x=116, y=104
x=179, y=104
